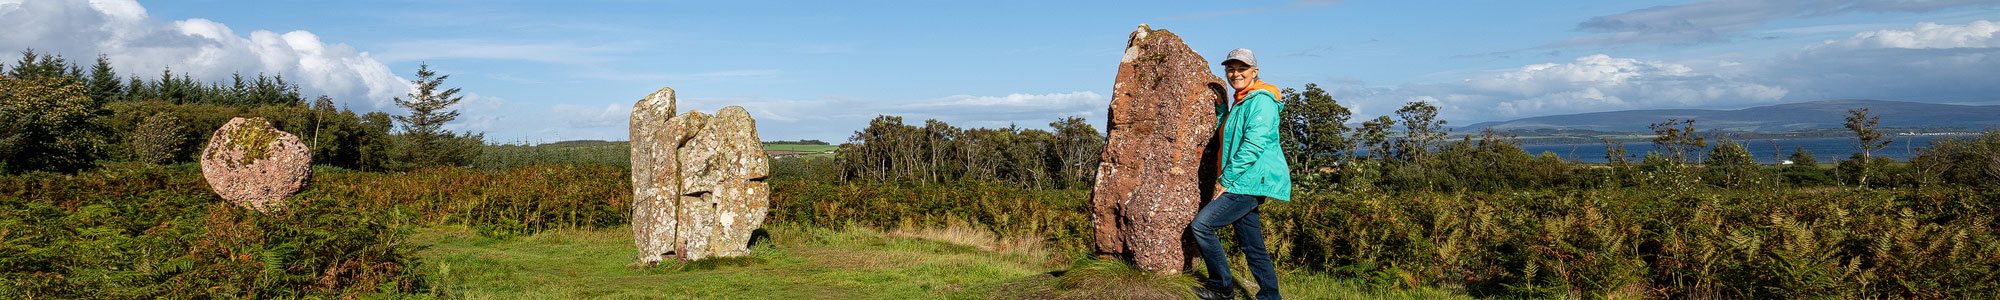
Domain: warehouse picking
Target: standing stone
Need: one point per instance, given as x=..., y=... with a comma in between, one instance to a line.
x=698, y=187
x=723, y=193
x=653, y=202
x=1149, y=183
x=254, y=165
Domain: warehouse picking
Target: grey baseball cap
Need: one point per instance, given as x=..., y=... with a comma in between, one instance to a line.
x=1241, y=54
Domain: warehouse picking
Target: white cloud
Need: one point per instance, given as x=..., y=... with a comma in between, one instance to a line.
x=1723, y=20
x=1590, y=83
x=141, y=46
x=1926, y=62
x=1978, y=34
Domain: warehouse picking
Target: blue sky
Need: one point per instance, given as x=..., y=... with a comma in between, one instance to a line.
x=545, y=71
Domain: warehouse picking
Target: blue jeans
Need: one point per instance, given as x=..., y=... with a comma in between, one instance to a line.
x=1241, y=211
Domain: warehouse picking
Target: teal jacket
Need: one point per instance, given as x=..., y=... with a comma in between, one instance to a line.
x=1252, y=162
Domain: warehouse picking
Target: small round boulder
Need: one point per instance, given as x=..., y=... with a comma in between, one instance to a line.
x=254, y=165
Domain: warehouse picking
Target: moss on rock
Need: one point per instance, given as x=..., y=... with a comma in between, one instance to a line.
x=254, y=138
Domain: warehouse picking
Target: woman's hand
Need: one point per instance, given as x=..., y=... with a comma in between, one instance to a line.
x=1219, y=189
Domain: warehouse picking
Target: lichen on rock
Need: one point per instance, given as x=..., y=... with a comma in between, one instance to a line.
x=252, y=164
x=702, y=177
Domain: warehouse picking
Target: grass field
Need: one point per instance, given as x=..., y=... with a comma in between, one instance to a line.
x=794, y=263
x=817, y=150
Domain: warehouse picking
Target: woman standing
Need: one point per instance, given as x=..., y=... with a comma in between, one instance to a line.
x=1253, y=169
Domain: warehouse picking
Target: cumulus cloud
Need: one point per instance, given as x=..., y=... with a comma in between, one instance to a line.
x=1590, y=83
x=139, y=45
x=837, y=118
x=1927, y=62
x=1978, y=34
x=1722, y=20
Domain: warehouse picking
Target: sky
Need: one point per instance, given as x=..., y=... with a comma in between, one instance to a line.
x=546, y=71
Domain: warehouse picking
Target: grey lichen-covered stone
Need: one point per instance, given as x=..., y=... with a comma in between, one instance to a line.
x=254, y=165
x=654, y=137
x=723, y=167
x=698, y=187
x=1157, y=153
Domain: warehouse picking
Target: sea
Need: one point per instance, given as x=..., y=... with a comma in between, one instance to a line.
x=1824, y=150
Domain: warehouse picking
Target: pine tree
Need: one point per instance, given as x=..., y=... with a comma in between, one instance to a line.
x=427, y=142
x=104, y=83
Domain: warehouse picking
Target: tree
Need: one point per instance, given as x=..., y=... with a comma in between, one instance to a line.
x=1314, y=128
x=1866, y=138
x=1614, y=153
x=1376, y=134
x=49, y=129
x=1677, y=139
x=104, y=83
x=1803, y=159
x=1077, y=149
x=1422, y=129
x=427, y=143
x=33, y=66
x=1733, y=162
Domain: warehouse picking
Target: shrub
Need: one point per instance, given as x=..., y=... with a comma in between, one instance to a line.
x=51, y=129
x=1971, y=161
x=158, y=140
x=141, y=231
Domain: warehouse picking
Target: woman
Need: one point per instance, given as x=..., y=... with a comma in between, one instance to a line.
x=1253, y=169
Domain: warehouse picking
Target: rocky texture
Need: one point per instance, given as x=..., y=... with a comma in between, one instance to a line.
x=653, y=200
x=1150, y=181
x=698, y=187
x=723, y=167
x=254, y=165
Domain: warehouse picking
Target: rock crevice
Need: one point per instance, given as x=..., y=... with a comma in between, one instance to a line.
x=697, y=181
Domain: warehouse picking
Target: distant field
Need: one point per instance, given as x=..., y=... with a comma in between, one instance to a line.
x=813, y=151
x=500, y=157
x=805, y=148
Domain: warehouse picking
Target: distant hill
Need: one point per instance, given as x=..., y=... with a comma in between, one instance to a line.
x=1782, y=117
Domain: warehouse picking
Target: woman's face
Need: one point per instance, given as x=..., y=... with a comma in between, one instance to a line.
x=1239, y=74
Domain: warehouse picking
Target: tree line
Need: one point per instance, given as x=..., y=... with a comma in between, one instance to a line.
x=1411, y=150
x=1065, y=156
x=56, y=116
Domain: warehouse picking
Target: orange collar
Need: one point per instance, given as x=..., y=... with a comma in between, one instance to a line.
x=1258, y=85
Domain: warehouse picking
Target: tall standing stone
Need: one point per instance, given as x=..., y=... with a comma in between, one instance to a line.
x=697, y=181
x=254, y=165
x=723, y=167
x=654, y=139
x=1149, y=183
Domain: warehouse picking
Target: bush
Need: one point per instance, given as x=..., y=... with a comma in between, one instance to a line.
x=50, y=125
x=1931, y=243
x=158, y=140
x=140, y=231
x=1971, y=161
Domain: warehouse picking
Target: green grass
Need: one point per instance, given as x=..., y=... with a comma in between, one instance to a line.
x=794, y=263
